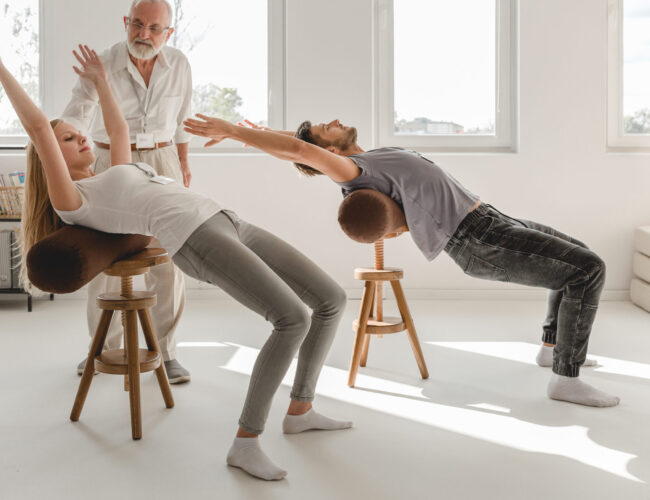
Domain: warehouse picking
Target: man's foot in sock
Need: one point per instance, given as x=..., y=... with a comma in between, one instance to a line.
x=247, y=454
x=573, y=390
x=176, y=374
x=545, y=357
x=293, y=424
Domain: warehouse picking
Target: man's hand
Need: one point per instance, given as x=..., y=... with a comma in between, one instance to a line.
x=214, y=128
x=93, y=68
x=187, y=174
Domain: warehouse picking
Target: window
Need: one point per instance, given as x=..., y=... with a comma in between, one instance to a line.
x=235, y=50
x=446, y=74
x=629, y=75
x=19, y=38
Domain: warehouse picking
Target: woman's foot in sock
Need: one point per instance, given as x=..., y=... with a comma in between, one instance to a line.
x=545, y=357
x=293, y=424
x=247, y=454
x=573, y=390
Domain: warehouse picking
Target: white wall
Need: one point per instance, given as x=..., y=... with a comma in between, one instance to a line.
x=561, y=175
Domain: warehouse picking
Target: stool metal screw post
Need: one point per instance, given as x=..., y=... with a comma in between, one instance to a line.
x=130, y=361
x=367, y=324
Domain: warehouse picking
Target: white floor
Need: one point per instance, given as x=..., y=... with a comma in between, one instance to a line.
x=479, y=427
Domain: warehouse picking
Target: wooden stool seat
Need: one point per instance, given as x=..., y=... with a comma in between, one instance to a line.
x=369, y=274
x=138, y=263
x=115, y=361
x=390, y=324
x=130, y=361
x=118, y=302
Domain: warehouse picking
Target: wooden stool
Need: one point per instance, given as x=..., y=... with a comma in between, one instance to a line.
x=129, y=361
x=379, y=324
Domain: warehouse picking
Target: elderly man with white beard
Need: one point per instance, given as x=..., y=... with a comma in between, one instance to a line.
x=153, y=85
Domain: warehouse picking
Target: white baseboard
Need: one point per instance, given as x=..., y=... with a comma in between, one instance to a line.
x=437, y=294
x=411, y=293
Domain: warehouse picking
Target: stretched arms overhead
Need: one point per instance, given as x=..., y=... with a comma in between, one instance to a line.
x=279, y=144
x=63, y=194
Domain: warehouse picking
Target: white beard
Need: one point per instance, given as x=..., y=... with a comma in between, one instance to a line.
x=143, y=50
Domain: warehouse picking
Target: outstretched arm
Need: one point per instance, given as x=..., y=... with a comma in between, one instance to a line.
x=116, y=126
x=63, y=193
x=336, y=167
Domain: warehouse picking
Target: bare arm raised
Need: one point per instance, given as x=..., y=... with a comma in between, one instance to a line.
x=63, y=194
x=337, y=167
x=116, y=126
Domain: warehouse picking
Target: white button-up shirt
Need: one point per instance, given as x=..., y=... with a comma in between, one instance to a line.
x=159, y=109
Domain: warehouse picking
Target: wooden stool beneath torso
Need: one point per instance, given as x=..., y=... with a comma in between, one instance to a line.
x=368, y=216
x=129, y=361
x=368, y=324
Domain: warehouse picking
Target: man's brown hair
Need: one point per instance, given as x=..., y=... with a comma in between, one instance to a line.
x=304, y=134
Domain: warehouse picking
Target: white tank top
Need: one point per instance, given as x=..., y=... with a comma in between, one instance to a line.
x=125, y=200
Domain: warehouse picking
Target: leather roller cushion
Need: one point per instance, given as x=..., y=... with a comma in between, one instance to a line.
x=642, y=240
x=366, y=215
x=640, y=293
x=70, y=257
x=641, y=266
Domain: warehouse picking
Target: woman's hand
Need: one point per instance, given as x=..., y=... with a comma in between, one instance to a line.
x=250, y=124
x=93, y=68
x=214, y=128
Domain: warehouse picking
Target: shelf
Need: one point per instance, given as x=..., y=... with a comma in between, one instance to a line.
x=20, y=290
x=9, y=218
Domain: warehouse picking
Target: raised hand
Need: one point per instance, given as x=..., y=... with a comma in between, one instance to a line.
x=248, y=123
x=214, y=128
x=92, y=67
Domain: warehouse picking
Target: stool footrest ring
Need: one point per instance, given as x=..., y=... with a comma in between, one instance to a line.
x=114, y=362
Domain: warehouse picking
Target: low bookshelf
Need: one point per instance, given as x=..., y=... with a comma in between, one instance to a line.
x=14, y=288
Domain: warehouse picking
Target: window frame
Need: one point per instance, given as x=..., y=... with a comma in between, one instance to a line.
x=505, y=138
x=617, y=139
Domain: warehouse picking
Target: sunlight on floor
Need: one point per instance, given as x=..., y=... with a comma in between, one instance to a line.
x=484, y=421
x=524, y=352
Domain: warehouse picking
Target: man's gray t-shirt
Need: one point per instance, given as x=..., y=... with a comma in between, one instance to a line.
x=434, y=203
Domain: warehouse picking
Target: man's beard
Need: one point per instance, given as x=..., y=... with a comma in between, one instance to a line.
x=143, y=50
x=349, y=140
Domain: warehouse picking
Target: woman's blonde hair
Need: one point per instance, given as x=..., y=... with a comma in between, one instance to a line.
x=38, y=218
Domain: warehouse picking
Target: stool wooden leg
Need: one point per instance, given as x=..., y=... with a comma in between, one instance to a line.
x=410, y=327
x=152, y=344
x=134, y=373
x=364, y=314
x=126, y=377
x=364, y=349
x=89, y=369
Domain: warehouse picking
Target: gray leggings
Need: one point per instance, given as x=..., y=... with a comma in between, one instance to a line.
x=276, y=281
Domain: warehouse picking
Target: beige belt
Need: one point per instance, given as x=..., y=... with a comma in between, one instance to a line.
x=158, y=145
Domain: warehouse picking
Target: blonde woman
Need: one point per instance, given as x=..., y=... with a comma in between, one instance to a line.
x=206, y=241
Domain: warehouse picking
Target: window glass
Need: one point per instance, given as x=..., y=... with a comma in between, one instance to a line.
x=636, y=67
x=226, y=43
x=445, y=67
x=19, y=39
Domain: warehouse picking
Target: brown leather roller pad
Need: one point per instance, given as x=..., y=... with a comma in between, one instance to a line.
x=70, y=257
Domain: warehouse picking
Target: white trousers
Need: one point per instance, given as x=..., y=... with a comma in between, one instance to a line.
x=165, y=280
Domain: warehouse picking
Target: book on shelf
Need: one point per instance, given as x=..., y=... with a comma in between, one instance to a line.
x=11, y=197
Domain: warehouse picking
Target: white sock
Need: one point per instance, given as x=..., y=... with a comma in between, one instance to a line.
x=545, y=357
x=311, y=420
x=573, y=390
x=247, y=454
